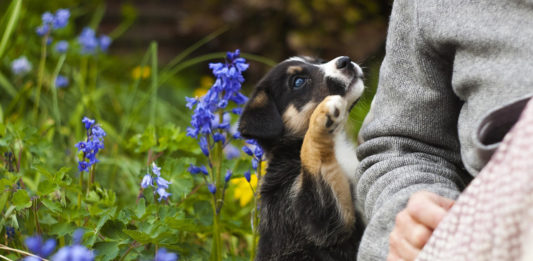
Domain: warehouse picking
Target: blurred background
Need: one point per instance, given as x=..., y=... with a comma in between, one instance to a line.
x=271, y=29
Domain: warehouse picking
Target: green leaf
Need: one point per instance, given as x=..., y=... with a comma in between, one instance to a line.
x=46, y=187
x=21, y=199
x=187, y=225
x=62, y=229
x=3, y=200
x=138, y=236
x=52, y=206
x=107, y=250
x=140, y=209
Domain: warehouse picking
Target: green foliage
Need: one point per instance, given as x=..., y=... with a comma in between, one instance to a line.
x=41, y=189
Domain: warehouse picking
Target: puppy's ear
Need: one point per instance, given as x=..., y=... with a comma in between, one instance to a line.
x=260, y=118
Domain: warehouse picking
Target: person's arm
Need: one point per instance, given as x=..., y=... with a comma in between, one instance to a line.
x=410, y=136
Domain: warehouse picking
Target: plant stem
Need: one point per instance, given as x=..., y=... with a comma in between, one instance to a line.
x=36, y=218
x=40, y=76
x=216, y=251
x=90, y=179
x=5, y=258
x=4, y=247
x=81, y=189
x=153, y=49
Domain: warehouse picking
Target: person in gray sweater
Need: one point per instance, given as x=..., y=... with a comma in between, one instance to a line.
x=454, y=80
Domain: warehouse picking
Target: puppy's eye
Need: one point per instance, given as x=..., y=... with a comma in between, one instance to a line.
x=298, y=82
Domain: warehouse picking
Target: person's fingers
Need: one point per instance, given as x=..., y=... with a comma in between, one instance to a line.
x=446, y=203
x=399, y=246
x=393, y=257
x=415, y=233
x=427, y=209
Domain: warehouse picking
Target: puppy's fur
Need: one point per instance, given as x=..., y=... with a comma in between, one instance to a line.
x=297, y=113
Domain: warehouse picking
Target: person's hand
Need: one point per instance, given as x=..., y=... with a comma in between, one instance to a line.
x=415, y=223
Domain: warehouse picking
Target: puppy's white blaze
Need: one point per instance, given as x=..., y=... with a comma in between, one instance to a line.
x=296, y=59
x=345, y=155
x=330, y=70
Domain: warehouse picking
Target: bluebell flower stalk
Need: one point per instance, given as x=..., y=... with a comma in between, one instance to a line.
x=211, y=126
x=162, y=184
x=89, y=149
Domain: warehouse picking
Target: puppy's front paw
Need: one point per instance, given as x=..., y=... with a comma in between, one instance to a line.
x=329, y=115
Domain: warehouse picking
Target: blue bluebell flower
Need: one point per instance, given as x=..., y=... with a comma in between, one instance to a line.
x=163, y=255
x=212, y=188
x=77, y=236
x=47, y=18
x=88, y=41
x=204, y=145
x=231, y=152
x=203, y=170
x=74, y=253
x=92, y=145
x=61, y=18
x=88, y=122
x=155, y=169
x=104, y=42
x=227, y=177
x=147, y=181
x=193, y=169
x=247, y=175
x=83, y=166
x=219, y=137
x=20, y=66
x=61, y=46
x=254, y=163
x=42, y=249
x=61, y=81
x=247, y=150
x=42, y=30
x=237, y=110
x=162, y=183
x=190, y=102
x=163, y=194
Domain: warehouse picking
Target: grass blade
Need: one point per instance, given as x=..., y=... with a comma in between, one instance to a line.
x=10, y=25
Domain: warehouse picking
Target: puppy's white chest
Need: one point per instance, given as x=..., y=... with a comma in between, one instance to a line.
x=345, y=155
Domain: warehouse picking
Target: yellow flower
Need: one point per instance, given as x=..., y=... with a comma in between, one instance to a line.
x=139, y=72
x=242, y=190
x=205, y=83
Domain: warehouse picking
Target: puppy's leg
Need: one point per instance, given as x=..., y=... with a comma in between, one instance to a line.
x=322, y=177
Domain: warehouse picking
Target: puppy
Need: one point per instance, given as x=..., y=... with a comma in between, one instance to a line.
x=297, y=113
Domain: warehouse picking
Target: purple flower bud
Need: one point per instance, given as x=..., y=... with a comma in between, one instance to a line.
x=247, y=151
x=193, y=169
x=204, y=171
x=227, y=177
x=104, y=42
x=212, y=188
x=77, y=236
x=61, y=81
x=247, y=175
x=61, y=46
x=190, y=102
x=218, y=137
x=204, y=146
x=254, y=163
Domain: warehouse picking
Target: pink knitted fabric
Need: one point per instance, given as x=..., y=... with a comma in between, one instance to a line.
x=493, y=218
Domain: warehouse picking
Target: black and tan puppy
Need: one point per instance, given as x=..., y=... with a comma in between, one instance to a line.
x=297, y=113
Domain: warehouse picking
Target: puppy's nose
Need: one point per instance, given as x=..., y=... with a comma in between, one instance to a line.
x=343, y=62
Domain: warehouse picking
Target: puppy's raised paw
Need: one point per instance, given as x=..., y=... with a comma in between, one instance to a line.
x=329, y=115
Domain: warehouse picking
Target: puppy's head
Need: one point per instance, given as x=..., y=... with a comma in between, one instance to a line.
x=283, y=101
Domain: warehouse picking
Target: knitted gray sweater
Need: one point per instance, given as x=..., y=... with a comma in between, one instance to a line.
x=450, y=87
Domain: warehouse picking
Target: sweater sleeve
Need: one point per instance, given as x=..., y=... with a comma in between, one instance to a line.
x=410, y=140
